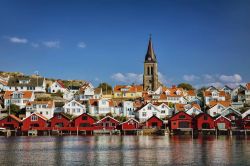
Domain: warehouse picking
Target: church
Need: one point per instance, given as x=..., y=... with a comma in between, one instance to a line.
x=150, y=76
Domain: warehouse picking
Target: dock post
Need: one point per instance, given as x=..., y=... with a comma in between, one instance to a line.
x=77, y=131
x=216, y=134
x=192, y=133
x=246, y=133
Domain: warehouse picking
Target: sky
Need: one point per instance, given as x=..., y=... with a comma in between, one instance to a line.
x=199, y=42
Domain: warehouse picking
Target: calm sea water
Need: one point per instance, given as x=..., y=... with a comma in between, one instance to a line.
x=124, y=150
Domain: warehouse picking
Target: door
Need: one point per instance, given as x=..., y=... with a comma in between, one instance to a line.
x=205, y=126
x=183, y=124
x=221, y=125
x=154, y=124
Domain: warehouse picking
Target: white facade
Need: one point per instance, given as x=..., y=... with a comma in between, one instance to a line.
x=68, y=95
x=215, y=110
x=194, y=111
x=44, y=108
x=101, y=107
x=57, y=87
x=18, y=98
x=148, y=111
x=74, y=108
x=215, y=96
x=128, y=108
x=25, y=85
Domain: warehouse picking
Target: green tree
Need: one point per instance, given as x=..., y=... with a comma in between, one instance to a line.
x=185, y=86
x=14, y=109
x=106, y=88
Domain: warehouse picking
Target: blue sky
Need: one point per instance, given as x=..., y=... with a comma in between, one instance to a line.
x=199, y=42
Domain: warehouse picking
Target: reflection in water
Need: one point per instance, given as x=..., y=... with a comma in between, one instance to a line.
x=124, y=150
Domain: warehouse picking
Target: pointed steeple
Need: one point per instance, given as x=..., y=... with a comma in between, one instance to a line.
x=150, y=56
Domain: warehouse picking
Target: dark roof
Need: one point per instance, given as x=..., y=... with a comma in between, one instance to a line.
x=150, y=56
x=33, y=82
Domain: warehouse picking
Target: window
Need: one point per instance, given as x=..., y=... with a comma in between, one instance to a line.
x=214, y=113
x=108, y=119
x=73, y=104
x=44, y=106
x=205, y=117
x=68, y=110
x=232, y=117
x=8, y=119
x=154, y=113
x=59, y=116
x=149, y=107
x=34, y=118
x=163, y=111
x=113, y=124
x=84, y=117
x=144, y=114
x=47, y=113
x=162, y=106
x=78, y=110
x=182, y=116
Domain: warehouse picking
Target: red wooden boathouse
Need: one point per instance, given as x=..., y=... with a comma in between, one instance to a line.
x=204, y=121
x=10, y=122
x=35, y=122
x=154, y=122
x=107, y=123
x=181, y=120
x=222, y=123
x=131, y=124
x=60, y=120
x=84, y=122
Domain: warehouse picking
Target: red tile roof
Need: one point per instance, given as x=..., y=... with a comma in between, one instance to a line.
x=224, y=103
x=60, y=83
x=26, y=94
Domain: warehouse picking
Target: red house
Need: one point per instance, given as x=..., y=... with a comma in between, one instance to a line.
x=204, y=121
x=131, y=124
x=234, y=116
x=60, y=120
x=84, y=122
x=181, y=120
x=35, y=122
x=246, y=119
x=107, y=123
x=10, y=122
x=222, y=123
x=154, y=122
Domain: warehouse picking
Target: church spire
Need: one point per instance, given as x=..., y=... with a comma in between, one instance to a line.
x=150, y=56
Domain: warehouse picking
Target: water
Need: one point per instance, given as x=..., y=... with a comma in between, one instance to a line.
x=124, y=150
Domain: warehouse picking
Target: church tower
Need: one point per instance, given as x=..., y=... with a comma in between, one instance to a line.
x=150, y=76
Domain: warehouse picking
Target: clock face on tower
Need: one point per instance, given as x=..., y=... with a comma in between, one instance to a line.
x=149, y=58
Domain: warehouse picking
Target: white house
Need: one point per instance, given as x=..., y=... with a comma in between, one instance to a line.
x=18, y=98
x=214, y=95
x=247, y=93
x=147, y=111
x=238, y=93
x=101, y=106
x=57, y=86
x=86, y=92
x=128, y=108
x=68, y=95
x=164, y=108
x=45, y=108
x=3, y=85
x=24, y=83
x=74, y=108
x=227, y=89
x=194, y=110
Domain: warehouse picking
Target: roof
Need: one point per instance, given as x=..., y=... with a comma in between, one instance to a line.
x=209, y=93
x=191, y=93
x=107, y=117
x=154, y=116
x=84, y=114
x=248, y=86
x=130, y=88
x=93, y=102
x=150, y=55
x=49, y=103
x=246, y=113
x=197, y=106
x=223, y=103
x=172, y=92
x=179, y=107
x=13, y=117
x=97, y=91
x=60, y=83
x=222, y=117
x=130, y=120
x=26, y=94
x=230, y=110
x=4, y=83
x=33, y=81
x=35, y=113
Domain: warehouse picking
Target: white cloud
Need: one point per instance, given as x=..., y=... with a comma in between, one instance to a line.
x=18, y=40
x=236, y=78
x=52, y=44
x=208, y=78
x=35, y=45
x=128, y=78
x=81, y=45
x=190, y=78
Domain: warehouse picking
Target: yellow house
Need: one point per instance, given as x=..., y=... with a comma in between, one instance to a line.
x=128, y=91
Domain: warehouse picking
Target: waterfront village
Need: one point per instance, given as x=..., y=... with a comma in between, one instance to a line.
x=34, y=105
